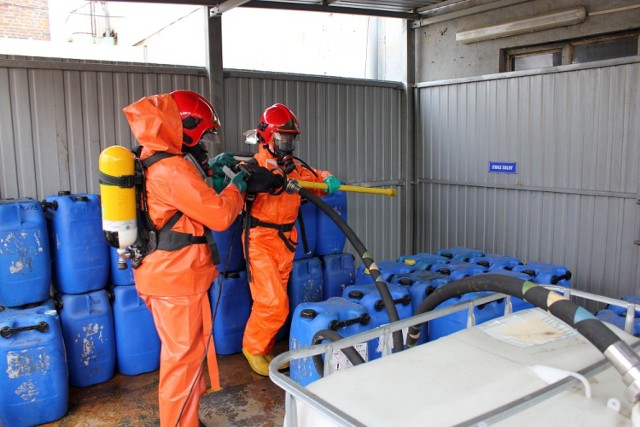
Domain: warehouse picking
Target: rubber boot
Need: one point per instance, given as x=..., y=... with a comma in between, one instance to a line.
x=282, y=367
x=257, y=362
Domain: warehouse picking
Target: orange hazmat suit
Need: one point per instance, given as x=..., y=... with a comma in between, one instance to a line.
x=271, y=259
x=174, y=284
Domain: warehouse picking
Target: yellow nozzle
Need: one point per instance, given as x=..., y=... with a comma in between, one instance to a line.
x=350, y=188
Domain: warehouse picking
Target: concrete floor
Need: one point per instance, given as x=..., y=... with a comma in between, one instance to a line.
x=247, y=399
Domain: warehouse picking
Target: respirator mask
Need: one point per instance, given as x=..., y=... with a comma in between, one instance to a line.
x=284, y=144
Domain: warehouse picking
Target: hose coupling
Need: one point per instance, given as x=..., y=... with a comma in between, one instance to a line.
x=627, y=363
x=292, y=186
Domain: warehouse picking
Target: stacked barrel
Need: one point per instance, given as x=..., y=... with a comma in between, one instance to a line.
x=34, y=379
x=65, y=318
x=410, y=280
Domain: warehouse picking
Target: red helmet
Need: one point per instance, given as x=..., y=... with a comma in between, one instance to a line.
x=278, y=122
x=197, y=114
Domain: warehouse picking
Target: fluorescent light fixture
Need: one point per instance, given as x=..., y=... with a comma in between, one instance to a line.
x=545, y=21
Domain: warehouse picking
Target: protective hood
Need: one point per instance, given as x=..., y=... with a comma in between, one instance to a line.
x=156, y=124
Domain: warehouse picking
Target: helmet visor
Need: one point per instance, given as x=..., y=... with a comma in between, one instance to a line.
x=210, y=138
x=285, y=142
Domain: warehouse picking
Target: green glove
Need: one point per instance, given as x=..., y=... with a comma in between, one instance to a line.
x=239, y=182
x=222, y=159
x=218, y=183
x=332, y=184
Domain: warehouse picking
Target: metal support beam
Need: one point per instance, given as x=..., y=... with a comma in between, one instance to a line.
x=226, y=7
x=326, y=7
x=409, y=146
x=214, y=66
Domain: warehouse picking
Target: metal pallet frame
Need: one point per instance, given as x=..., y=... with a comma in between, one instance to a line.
x=295, y=391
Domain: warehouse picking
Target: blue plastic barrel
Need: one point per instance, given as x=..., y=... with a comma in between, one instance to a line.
x=421, y=284
x=338, y=272
x=338, y=314
x=460, y=253
x=496, y=262
x=634, y=299
x=423, y=260
x=231, y=304
x=458, y=270
x=368, y=296
x=34, y=378
x=546, y=274
x=36, y=307
x=229, y=243
x=330, y=239
x=137, y=341
x=88, y=331
x=454, y=322
x=308, y=213
x=119, y=277
x=25, y=260
x=305, y=285
x=618, y=319
x=305, y=282
x=79, y=250
x=387, y=269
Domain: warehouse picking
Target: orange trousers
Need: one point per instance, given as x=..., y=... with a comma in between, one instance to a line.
x=184, y=326
x=270, y=264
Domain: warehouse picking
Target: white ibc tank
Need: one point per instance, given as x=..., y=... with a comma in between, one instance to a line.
x=481, y=376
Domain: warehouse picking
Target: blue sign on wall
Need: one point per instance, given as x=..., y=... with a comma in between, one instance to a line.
x=502, y=167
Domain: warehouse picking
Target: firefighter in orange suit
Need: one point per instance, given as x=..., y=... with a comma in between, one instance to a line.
x=272, y=236
x=173, y=282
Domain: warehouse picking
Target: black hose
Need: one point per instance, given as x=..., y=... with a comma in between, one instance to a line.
x=381, y=285
x=572, y=314
x=328, y=335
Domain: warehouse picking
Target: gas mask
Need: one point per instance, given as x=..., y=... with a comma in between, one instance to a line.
x=284, y=145
x=198, y=156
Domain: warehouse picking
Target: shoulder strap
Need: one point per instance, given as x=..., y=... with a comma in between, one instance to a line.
x=155, y=158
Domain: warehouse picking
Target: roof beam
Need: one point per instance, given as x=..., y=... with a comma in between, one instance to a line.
x=328, y=8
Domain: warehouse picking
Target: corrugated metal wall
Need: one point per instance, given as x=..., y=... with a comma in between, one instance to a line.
x=574, y=135
x=350, y=127
x=56, y=116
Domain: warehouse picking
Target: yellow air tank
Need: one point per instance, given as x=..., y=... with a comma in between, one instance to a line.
x=118, y=198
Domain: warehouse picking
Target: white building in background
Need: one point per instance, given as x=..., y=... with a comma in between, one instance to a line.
x=253, y=39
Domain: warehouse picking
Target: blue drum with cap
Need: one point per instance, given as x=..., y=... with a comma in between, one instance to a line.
x=338, y=272
x=79, y=250
x=369, y=297
x=231, y=304
x=460, y=253
x=229, y=244
x=337, y=314
x=34, y=378
x=88, y=331
x=546, y=274
x=137, y=340
x=25, y=260
x=496, y=262
x=454, y=322
x=423, y=260
x=387, y=268
x=330, y=239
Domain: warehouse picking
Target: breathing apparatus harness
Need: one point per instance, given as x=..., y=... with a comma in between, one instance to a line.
x=275, y=187
x=149, y=237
